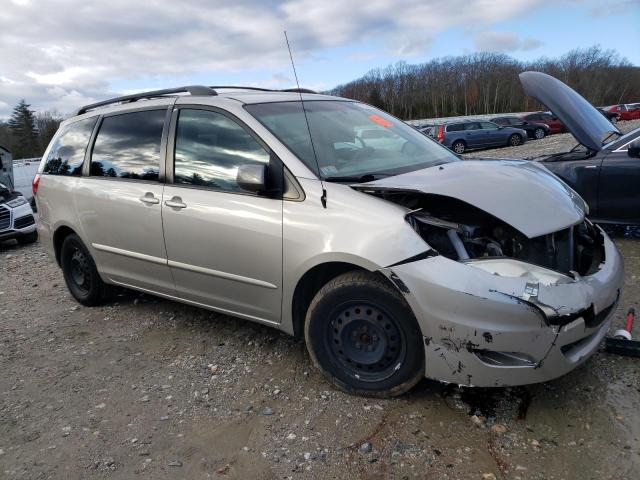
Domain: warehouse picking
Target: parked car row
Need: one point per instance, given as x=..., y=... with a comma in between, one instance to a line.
x=509, y=130
x=629, y=111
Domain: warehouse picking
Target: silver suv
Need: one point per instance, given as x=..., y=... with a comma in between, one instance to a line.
x=395, y=260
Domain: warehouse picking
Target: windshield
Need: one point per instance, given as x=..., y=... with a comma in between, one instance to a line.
x=350, y=139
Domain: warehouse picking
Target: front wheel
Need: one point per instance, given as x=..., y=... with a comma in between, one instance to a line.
x=363, y=336
x=539, y=133
x=515, y=140
x=80, y=272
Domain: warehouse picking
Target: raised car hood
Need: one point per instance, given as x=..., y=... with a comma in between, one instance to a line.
x=588, y=125
x=522, y=194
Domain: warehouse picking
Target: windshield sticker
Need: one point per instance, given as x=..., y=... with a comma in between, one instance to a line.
x=380, y=121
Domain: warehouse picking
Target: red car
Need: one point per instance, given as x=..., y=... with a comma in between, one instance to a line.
x=555, y=125
x=626, y=112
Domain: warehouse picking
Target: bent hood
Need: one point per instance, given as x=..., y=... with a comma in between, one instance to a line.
x=522, y=194
x=581, y=118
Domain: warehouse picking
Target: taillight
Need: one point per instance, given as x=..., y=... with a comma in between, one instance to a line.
x=36, y=182
x=440, y=136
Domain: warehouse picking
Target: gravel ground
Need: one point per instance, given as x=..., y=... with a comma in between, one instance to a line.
x=551, y=144
x=145, y=387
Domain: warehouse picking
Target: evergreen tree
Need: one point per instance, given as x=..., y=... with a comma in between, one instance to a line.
x=24, y=131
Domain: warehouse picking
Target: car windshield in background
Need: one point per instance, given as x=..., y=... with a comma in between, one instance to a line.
x=350, y=139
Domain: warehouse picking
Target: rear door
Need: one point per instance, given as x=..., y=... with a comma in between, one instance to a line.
x=118, y=201
x=224, y=244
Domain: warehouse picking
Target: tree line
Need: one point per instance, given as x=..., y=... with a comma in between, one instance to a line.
x=26, y=134
x=486, y=83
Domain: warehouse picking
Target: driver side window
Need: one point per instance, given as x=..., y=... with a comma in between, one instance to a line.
x=210, y=148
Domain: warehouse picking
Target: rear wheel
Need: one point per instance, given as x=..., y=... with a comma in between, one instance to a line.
x=515, y=140
x=363, y=336
x=80, y=273
x=539, y=133
x=459, y=147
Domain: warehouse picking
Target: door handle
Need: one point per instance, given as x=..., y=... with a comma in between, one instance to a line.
x=175, y=202
x=591, y=166
x=149, y=199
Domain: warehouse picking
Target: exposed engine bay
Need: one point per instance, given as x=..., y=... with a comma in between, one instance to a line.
x=460, y=231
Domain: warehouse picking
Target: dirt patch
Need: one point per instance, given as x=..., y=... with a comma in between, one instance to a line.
x=562, y=142
x=151, y=388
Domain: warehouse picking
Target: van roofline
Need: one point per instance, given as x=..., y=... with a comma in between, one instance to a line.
x=194, y=90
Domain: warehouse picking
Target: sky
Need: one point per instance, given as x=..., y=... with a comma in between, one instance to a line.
x=61, y=54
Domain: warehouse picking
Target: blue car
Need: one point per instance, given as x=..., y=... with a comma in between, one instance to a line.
x=466, y=135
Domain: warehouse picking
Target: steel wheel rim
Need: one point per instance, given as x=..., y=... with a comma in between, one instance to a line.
x=366, y=342
x=79, y=271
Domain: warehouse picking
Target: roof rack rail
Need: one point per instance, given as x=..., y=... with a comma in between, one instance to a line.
x=191, y=89
x=298, y=90
x=240, y=87
x=260, y=89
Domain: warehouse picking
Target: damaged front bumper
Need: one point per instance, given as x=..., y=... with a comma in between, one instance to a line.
x=485, y=329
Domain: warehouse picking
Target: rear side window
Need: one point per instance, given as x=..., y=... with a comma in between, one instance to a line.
x=128, y=146
x=209, y=149
x=455, y=127
x=67, y=152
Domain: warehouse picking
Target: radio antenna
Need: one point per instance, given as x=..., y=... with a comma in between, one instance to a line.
x=323, y=198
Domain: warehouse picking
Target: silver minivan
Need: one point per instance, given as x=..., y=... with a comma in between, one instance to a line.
x=394, y=263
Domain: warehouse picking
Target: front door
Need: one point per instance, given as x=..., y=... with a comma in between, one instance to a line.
x=224, y=244
x=492, y=134
x=619, y=188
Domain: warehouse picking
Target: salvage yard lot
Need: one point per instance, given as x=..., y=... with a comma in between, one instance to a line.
x=144, y=387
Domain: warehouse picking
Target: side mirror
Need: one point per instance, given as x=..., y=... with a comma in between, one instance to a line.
x=634, y=149
x=252, y=178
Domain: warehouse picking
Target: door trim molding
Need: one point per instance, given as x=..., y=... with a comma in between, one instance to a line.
x=129, y=253
x=225, y=275
x=201, y=305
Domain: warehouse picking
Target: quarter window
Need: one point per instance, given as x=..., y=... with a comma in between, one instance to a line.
x=128, y=146
x=209, y=149
x=67, y=152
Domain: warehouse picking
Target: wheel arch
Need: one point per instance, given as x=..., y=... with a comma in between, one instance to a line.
x=310, y=283
x=60, y=233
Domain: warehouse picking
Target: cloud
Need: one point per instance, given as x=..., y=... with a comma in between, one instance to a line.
x=502, y=42
x=60, y=54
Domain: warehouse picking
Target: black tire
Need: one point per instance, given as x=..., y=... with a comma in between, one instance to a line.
x=459, y=147
x=28, y=238
x=363, y=336
x=539, y=133
x=81, y=274
x=515, y=140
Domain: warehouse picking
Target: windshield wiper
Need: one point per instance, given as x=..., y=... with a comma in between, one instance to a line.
x=367, y=177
